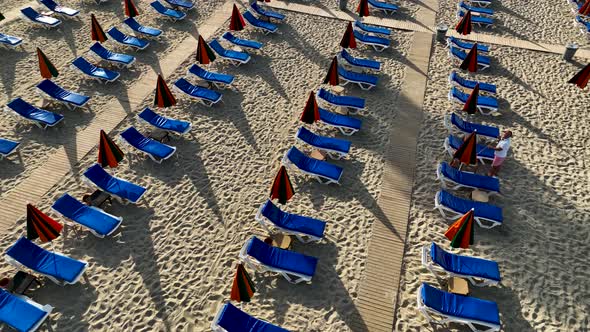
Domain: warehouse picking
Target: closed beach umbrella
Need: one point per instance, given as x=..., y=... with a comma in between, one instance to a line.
x=585, y=9
x=109, y=154
x=332, y=76
x=348, y=40
x=205, y=54
x=236, y=22
x=263, y=0
x=41, y=226
x=130, y=9
x=242, y=288
x=2, y=17
x=46, y=68
x=461, y=231
x=164, y=97
x=471, y=104
x=464, y=25
x=282, y=187
x=363, y=8
x=466, y=153
x=311, y=112
x=470, y=62
x=96, y=32
x=581, y=78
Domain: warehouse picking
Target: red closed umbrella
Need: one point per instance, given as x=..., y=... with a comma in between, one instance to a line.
x=461, y=233
x=164, y=97
x=96, y=32
x=109, y=154
x=242, y=288
x=130, y=9
x=363, y=8
x=236, y=23
x=41, y=226
x=470, y=62
x=311, y=112
x=464, y=25
x=466, y=153
x=332, y=75
x=348, y=40
x=585, y=9
x=471, y=104
x=46, y=68
x=282, y=187
x=205, y=54
x=581, y=78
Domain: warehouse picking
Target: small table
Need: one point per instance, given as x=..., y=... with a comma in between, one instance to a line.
x=317, y=154
x=159, y=135
x=279, y=240
x=21, y=282
x=458, y=286
x=98, y=198
x=337, y=89
x=480, y=196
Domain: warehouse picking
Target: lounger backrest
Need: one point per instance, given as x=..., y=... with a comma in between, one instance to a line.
x=52, y=89
x=272, y=212
x=159, y=7
x=98, y=176
x=68, y=206
x=281, y=258
x=7, y=146
x=256, y=8
x=458, y=121
x=100, y=50
x=49, y=4
x=18, y=313
x=307, y=136
x=117, y=34
x=150, y=116
x=84, y=65
x=232, y=319
x=216, y=46
x=135, y=138
x=250, y=18
x=21, y=107
x=30, y=13
x=458, y=52
x=200, y=72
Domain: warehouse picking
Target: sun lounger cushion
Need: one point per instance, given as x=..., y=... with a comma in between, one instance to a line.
x=93, y=71
x=95, y=219
x=293, y=222
x=164, y=123
x=267, y=26
x=469, y=179
x=358, y=62
x=167, y=12
x=372, y=28
x=461, y=306
x=242, y=57
x=583, y=22
x=482, y=101
x=460, y=54
x=468, y=84
x=466, y=7
x=34, y=16
x=232, y=319
x=135, y=26
x=7, y=146
x=478, y=20
x=462, y=206
x=339, y=120
x=323, y=142
x=467, y=45
x=19, y=313
x=355, y=77
x=280, y=258
x=197, y=91
x=181, y=3
x=344, y=101
x=126, y=40
x=112, y=185
x=382, y=5
x=368, y=39
x=33, y=113
x=55, y=7
x=56, y=92
x=465, y=265
x=99, y=50
x=241, y=42
x=482, y=150
x=10, y=40
x=210, y=76
x=46, y=262
x=266, y=13
x=469, y=127
x=147, y=145
x=314, y=166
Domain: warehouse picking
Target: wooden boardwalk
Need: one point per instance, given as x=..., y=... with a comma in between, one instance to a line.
x=43, y=178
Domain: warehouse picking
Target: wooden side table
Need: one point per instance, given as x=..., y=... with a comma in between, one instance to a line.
x=279, y=240
x=480, y=196
x=159, y=135
x=458, y=286
x=97, y=198
x=317, y=154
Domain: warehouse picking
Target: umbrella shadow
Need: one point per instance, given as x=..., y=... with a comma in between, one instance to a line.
x=500, y=7
x=152, y=53
x=10, y=60
x=500, y=70
x=264, y=70
x=69, y=29
x=298, y=42
x=10, y=169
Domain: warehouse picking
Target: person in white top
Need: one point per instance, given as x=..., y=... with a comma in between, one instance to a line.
x=500, y=152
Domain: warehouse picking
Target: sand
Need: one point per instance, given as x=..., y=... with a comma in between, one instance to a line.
x=541, y=245
x=172, y=262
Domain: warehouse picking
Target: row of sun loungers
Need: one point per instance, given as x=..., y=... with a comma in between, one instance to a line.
x=7, y=147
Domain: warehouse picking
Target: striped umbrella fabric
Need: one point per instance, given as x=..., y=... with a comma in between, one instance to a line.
x=164, y=97
x=363, y=8
x=461, y=232
x=242, y=288
x=46, y=68
x=236, y=23
x=464, y=25
x=348, y=40
x=205, y=54
x=130, y=8
x=41, y=226
x=467, y=153
x=96, y=32
x=470, y=105
x=470, y=62
x=311, y=111
x=581, y=78
x=2, y=17
x=109, y=154
x=282, y=189
x=332, y=76
x=585, y=9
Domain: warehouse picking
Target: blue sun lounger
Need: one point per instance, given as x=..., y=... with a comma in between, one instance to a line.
x=346, y=124
x=452, y=207
x=386, y=7
x=483, y=62
x=7, y=41
x=295, y=267
x=94, y=72
x=203, y=95
x=163, y=123
x=120, y=60
x=454, y=121
x=242, y=42
x=122, y=190
x=480, y=21
x=266, y=13
x=336, y=148
x=480, y=3
x=481, y=11
x=57, y=267
x=452, y=143
x=235, y=57
x=169, y=13
x=49, y=89
x=480, y=272
x=377, y=43
x=181, y=4
x=455, y=179
x=218, y=79
x=305, y=229
x=486, y=105
x=322, y=171
x=40, y=117
x=371, y=29
x=232, y=319
x=459, y=309
x=58, y=9
x=34, y=17
x=22, y=313
x=346, y=58
x=157, y=151
x=452, y=41
x=354, y=104
x=458, y=81
x=97, y=221
x=122, y=39
x=7, y=147
x=364, y=81
x=265, y=27
x=143, y=30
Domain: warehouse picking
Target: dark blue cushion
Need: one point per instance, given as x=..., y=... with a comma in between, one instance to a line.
x=481, y=100
x=366, y=63
x=293, y=222
x=482, y=150
x=135, y=26
x=7, y=146
x=314, y=166
x=471, y=84
x=287, y=260
x=210, y=76
x=33, y=15
x=323, y=142
x=181, y=3
x=176, y=14
x=459, y=53
x=106, y=54
x=89, y=69
x=59, y=93
x=339, y=120
x=475, y=9
x=465, y=265
x=473, y=180
x=365, y=38
x=113, y=185
x=242, y=42
x=347, y=101
x=95, y=219
x=467, y=45
x=10, y=40
x=258, y=23
x=19, y=314
x=164, y=123
x=232, y=319
x=357, y=77
x=372, y=28
x=383, y=5
x=31, y=112
x=478, y=19
x=469, y=127
x=461, y=205
x=147, y=145
x=267, y=13
x=197, y=91
x=126, y=39
x=216, y=46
